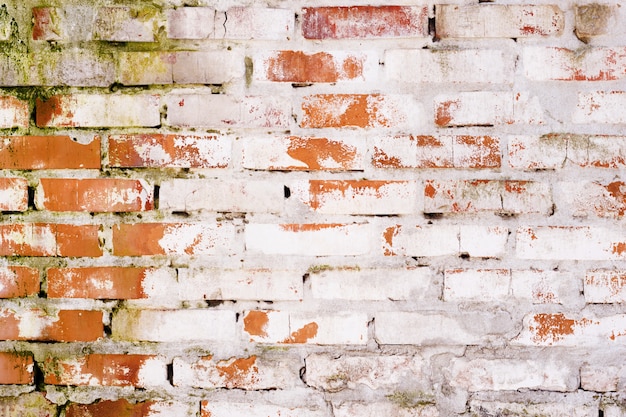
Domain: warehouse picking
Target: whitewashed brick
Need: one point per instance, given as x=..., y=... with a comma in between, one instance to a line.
x=600, y=107
x=605, y=286
x=476, y=285
x=257, y=23
x=233, y=409
x=545, y=287
x=483, y=241
x=377, y=409
x=593, y=64
x=558, y=408
x=600, y=378
x=534, y=152
x=190, y=22
x=210, y=67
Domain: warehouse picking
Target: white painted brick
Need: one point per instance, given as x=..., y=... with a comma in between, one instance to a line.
x=534, y=152
x=592, y=64
x=257, y=23
x=600, y=107
x=599, y=378
x=558, y=408
x=13, y=194
x=210, y=67
x=338, y=328
x=116, y=24
x=421, y=240
x=377, y=409
x=483, y=241
x=266, y=326
x=190, y=22
x=233, y=409
x=476, y=285
x=605, y=286
x=545, y=287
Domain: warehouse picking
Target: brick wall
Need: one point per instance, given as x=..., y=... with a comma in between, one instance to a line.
x=312, y=209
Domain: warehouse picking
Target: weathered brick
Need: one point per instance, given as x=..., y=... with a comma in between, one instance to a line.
x=49, y=326
x=145, y=239
x=247, y=373
x=600, y=378
x=513, y=374
x=338, y=328
x=210, y=67
x=145, y=68
x=545, y=286
x=64, y=24
x=174, y=325
x=18, y=281
x=436, y=152
x=113, y=282
x=319, y=67
x=593, y=20
x=256, y=23
x=125, y=24
x=570, y=242
x=357, y=196
x=295, y=153
x=13, y=112
x=605, y=286
x=487, y=108
x=48, y=152
x=364, y=22
x=13, y=194
x=596, y=64
x=93, y=195
x=46, y=25
x=371, y=284
x=367, y=111
x=600, y=107
x=479, y=285
x=169, y=151
x=98, y=110
x=31, y=404
x=471, y=196
x=190, y=110
x=449, y=66
x=309, y=239
x=537, y=152
x=46, y=239
x=566, y=405
x=584, y=198
x=221, y=196
x=211, y=408
x=122, y=407
x=498, y=21
x=190, y=22
x=422, y=407
x=16, y=368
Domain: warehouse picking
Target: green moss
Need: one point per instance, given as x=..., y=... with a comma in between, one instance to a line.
x=249, y=70
x=315, y=269
x=411, y=399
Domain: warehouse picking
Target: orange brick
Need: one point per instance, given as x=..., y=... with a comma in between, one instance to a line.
x=13, y=194
x=48, y=152
x=94, y=195
x=320, y=67
x=16, y=368
x=97, y=282
x=63, y=326
x=43, y=239
x=18, y=281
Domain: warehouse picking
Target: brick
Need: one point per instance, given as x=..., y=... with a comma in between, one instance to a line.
x=16, y=368
x=498, y=21
x=257, y=23
x=45, y=239
x=145, y=68
x=478, y=285
x=560, y=406
x=18, y=281
x=209, y=408
x=513, y=374
x=121, y=407
x=605, y=286
x=145, y=239
x=65, y=24
x=600, y=378
x=319, y=67
x=380, y=372
x=189, y=110
x=367, y=111
x=244, y=196
x=472, y=196
x=29, y=404
x=403, y=328
x=169, y=151
x=190, y=22
x=338, y=328
x=371, y=284
x=13, y=112
x=73, y=68
x=48, y=152
x=537, y=152
x=487, y=66
x=409, y=151
x=600, y=107
x=596, y=64
x=594, y=199
x=309, y=239
x=416, y=240
x=210, y=67
x=545, y=287
x=487, y=108
x=117, y=370
x=570, y=242
x=357, y=196
x=13, y=194
x=113, y=282
x=364, y=22
x=421, y=408
x=559, y=329
x=124, y=24
x=97, y=110
x=174, y=325
x=47, y=326
x=593, y=20
x=46, y=25
x=93, y=195
x=295, y=153
x=239, y=284
x=247, y=373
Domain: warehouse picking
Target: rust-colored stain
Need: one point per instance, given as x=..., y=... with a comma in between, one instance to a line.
x=388, y=235
x=314, y=152
x=532, y=30
x=484, y=152
x=615, y=282
x=381, y=160
x=552, y=327
x=429, y=190
x=237, y=372
x=546, y=297
x=255, y=323
x=616, y=189
x=444, y=112
x=318, y=189
x=48, y=110
x=302, y=335
x=309, y=227
x=426, y=140
x=299, y=67
x=517, y=187
x=343, y=110
x=618, y=248
x=352, y=67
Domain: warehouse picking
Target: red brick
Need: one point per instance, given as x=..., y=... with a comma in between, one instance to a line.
x=48, y=152
x=18, y=281
x=45, y=239
x=13, y=194
x=118, y=370
x=16, y=368
x=364, y=22
x=302, y=67
x=46, y=24
x=169, y=151
x=124, y=408
x=98, y=282
x=94, y=195
x=172, y=239
x=13, y=112
x=62, y=326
